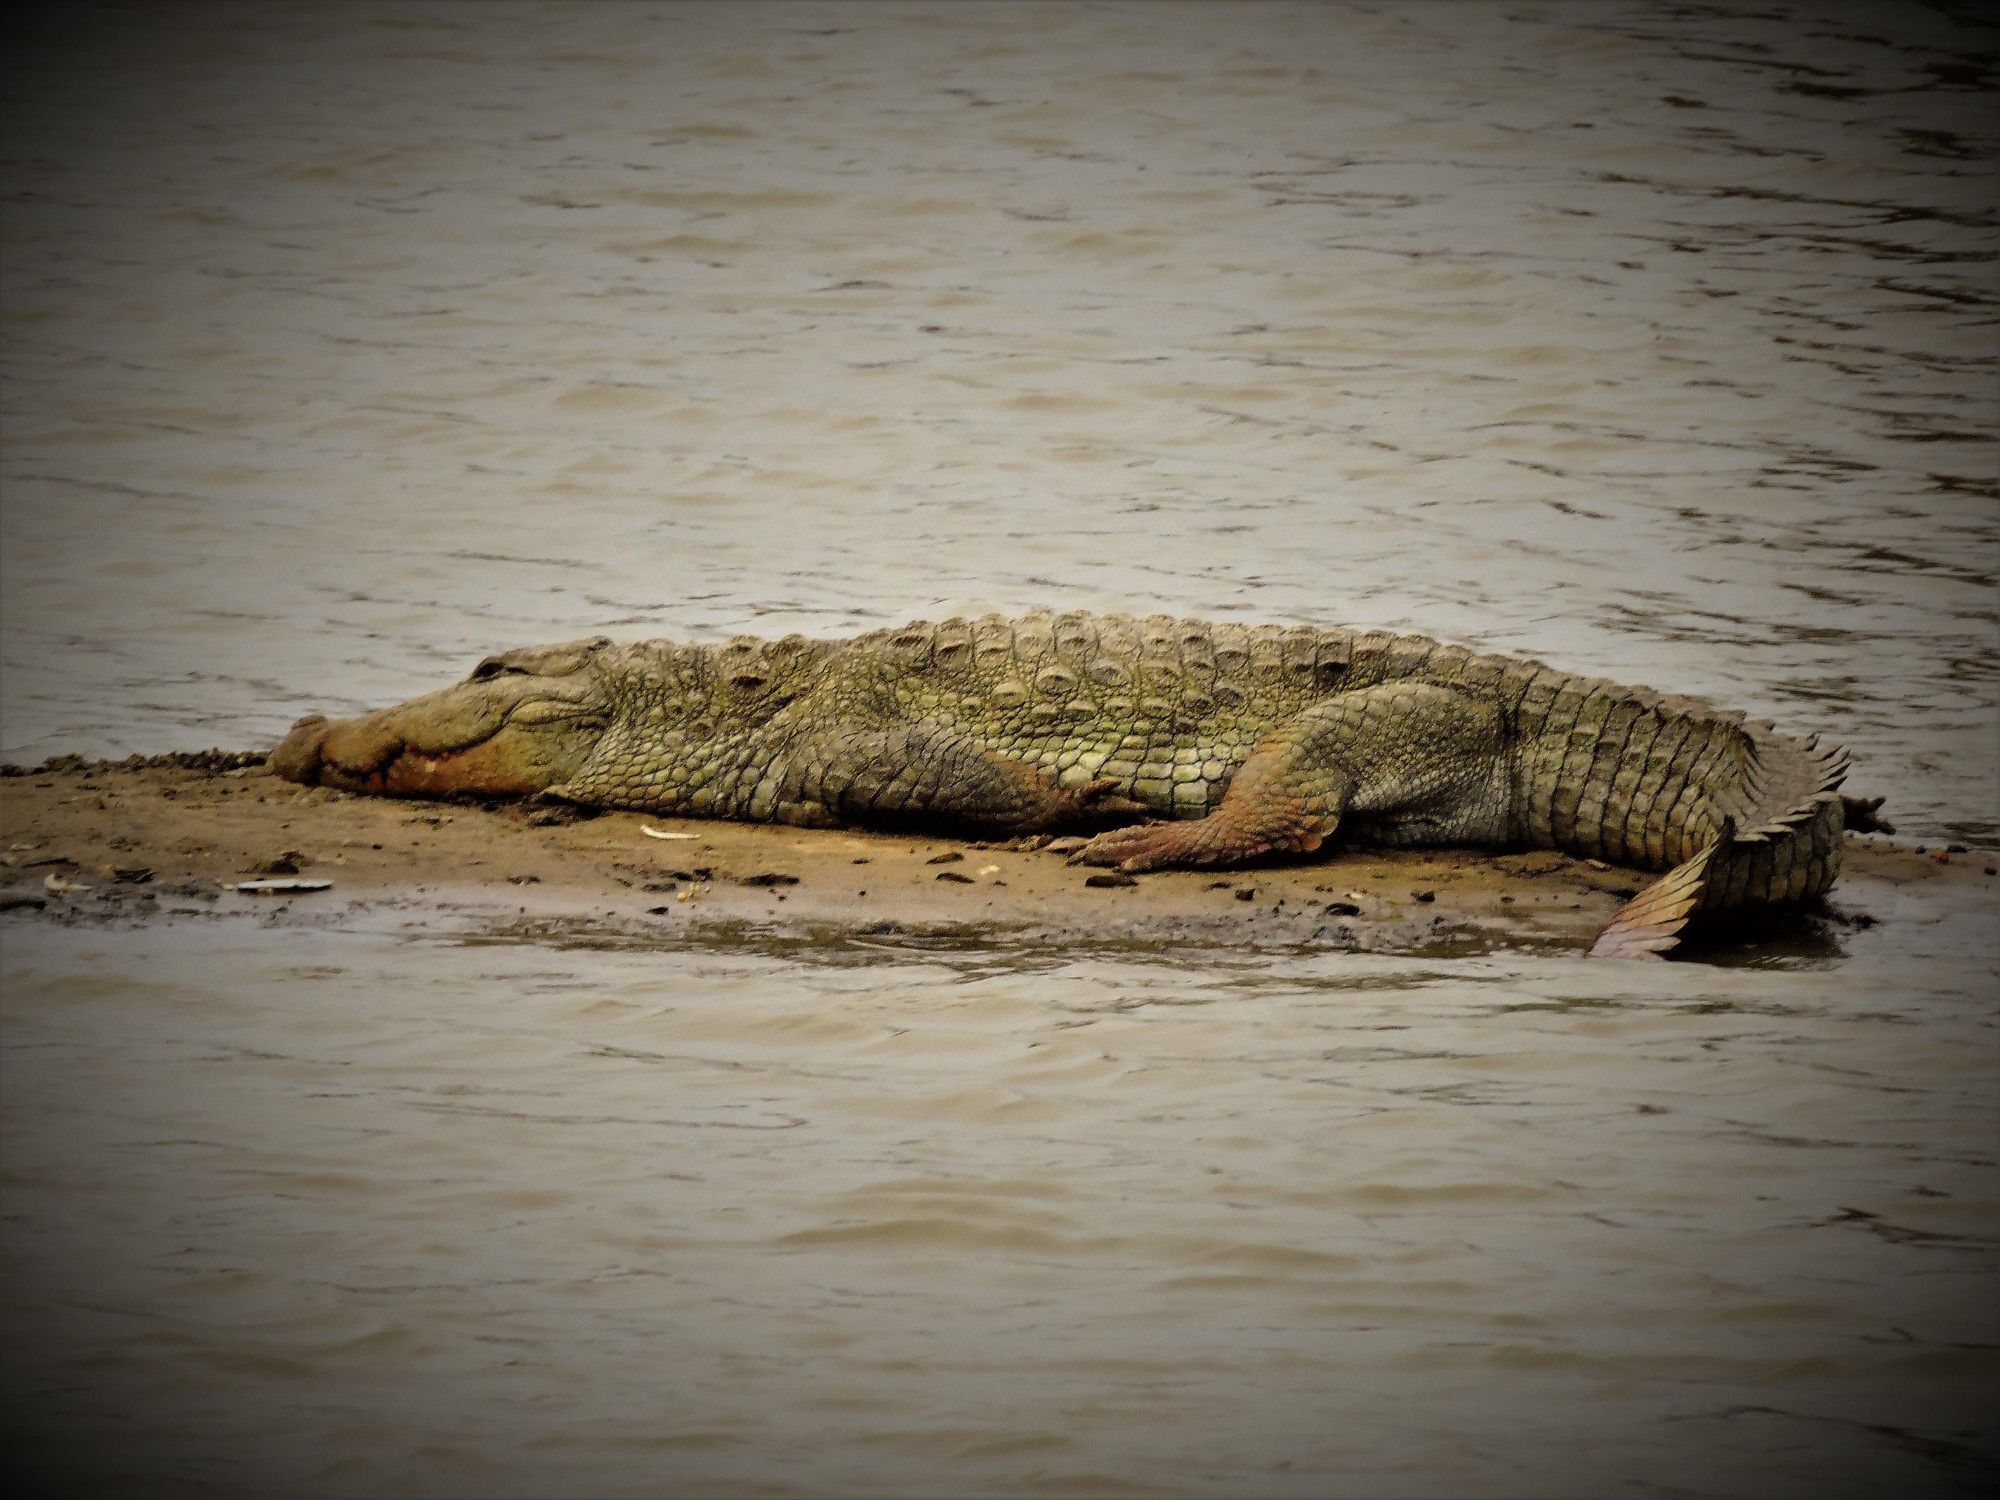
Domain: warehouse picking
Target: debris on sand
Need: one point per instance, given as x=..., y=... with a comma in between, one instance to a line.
x=190, y=832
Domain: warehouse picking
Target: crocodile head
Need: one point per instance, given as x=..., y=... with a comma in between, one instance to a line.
x=521, y=723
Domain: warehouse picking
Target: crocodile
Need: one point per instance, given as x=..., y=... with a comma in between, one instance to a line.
x=1176, y=743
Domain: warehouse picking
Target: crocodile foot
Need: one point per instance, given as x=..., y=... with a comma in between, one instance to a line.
x=1200, y=843
x=1096, y=804
x=1864, y=815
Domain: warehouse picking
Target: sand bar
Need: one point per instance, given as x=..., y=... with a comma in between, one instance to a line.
x=152, y=838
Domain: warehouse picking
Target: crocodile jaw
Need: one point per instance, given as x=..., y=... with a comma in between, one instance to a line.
x=508, y=732
x=373, y=754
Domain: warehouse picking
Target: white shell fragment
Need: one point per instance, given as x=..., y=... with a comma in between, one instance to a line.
x=276, y=887
x=55, y=885
x=660, y=833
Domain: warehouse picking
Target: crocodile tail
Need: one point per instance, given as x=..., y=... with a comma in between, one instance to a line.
x=1789, y=833
x=1781, y=844
x=1651, y=922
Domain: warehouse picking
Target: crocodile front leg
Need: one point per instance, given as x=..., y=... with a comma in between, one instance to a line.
x=1420, y=758
x=932, y=774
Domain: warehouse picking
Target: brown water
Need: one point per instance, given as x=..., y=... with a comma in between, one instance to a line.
x=344, y=345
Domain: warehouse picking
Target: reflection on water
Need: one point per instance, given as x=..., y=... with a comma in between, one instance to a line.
x=345, y=345
x=371, y=1220
x=1781, y=940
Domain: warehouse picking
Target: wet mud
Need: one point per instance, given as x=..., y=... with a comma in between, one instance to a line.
x=216, y=833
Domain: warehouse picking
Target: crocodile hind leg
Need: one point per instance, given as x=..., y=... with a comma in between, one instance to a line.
x=938, y=775
x=1417, y=753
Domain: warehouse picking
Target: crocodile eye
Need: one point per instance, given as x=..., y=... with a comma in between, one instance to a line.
x=494, y=667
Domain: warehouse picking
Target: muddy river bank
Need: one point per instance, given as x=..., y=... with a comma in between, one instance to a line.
x=215, y=833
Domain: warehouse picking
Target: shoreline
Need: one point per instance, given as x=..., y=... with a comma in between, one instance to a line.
x=156, y=838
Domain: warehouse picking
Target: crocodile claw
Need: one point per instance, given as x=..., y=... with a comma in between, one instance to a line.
x=1149, y=846
x=1100, y=804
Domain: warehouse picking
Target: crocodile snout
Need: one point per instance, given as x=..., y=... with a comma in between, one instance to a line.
x=297, y=757
x=352, y=754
